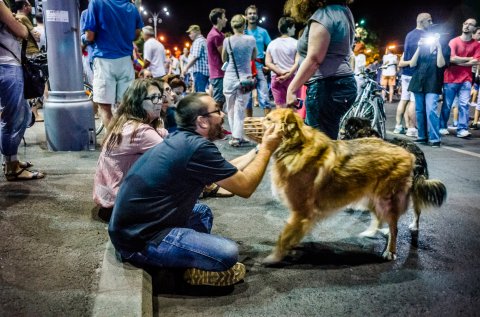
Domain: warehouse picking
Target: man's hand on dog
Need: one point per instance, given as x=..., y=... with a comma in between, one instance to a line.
x=271, y=138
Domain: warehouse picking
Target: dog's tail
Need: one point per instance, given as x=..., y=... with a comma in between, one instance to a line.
x=428, y=192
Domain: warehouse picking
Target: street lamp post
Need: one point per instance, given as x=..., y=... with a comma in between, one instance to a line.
x=155, y=17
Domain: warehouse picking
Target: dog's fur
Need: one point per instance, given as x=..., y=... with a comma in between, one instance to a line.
x=434, y=189
x=316, y=176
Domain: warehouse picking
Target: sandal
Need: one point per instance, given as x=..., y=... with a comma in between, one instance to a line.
x=214, y=192
x=20, y=164
x=17, y=176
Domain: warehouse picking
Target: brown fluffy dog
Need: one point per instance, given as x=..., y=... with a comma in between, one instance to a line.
x=315, y=177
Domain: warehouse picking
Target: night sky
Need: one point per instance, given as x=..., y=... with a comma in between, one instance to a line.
x=391, y=20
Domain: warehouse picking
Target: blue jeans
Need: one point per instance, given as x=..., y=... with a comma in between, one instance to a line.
x=262, y=89
x=428, y=120
x=327, y=101
x=15, y=110
x=462, y=90
x=189, y=247
x=200, y=81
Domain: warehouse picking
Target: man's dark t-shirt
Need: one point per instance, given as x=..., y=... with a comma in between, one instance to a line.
x=410, y=46
x=162, y=187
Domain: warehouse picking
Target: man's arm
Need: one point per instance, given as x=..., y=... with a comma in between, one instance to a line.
x=190, y=63
x=244, y=182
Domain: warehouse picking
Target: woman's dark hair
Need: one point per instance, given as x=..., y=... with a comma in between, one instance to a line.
x=284, y=24
x=177, y=82
x=131, y=109
x=188, y=109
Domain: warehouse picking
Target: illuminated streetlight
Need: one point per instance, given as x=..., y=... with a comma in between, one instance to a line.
x=187, y=44
x=262, y=19
x=162, y=38
x=155, y=17
x=175, y=48
x=391, y=47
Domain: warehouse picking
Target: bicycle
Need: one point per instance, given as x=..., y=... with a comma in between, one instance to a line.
x=368, y=105
x=89, y=92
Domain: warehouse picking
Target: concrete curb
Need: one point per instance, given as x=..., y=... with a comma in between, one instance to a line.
x=124, y=290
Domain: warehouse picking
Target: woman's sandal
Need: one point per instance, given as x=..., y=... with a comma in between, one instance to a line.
x=20, y=164
x=215, y=192
x=17, y=176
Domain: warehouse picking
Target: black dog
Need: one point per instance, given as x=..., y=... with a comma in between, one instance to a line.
x=361, y=128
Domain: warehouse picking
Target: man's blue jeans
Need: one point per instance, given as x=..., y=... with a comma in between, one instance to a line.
x=428, y=120
x=327, y=101
x=15, y=110
x=262, y=89
x=200, y=81
x=462, y=90
x=189, y=247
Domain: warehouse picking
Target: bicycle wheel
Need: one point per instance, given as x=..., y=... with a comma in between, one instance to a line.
x=89, y=92
x=349, y=114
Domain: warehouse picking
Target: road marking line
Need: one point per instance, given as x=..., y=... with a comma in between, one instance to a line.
x=461, y=151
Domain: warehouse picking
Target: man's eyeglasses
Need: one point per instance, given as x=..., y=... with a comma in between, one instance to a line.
x=218, y=111
x=156, y=98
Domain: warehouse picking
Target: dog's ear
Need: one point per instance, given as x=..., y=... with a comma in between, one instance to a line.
x=290, y=122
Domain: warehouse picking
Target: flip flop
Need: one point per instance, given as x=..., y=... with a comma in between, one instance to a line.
x=17, y=176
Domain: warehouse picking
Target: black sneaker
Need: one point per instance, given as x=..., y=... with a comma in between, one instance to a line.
x=474, y=126
x=420, y=141
x=434, y=144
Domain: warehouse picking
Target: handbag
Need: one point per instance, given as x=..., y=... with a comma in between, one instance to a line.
x=35, y=71
x=246, y=84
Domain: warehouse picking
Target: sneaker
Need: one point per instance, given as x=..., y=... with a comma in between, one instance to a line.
x=463, y=134
x=420, y=141
x=434, y=144
x=234, y=142
x=231, y=276
x=444, y=132
x=412, y=132
x=398, y=130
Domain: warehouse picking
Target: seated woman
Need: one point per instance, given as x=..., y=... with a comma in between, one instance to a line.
x=136, y=127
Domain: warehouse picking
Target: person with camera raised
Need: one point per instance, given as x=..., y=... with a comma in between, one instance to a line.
x=429, y=62
x=239, y=50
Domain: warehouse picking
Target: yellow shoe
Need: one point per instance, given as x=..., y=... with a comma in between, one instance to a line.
x=231, y=276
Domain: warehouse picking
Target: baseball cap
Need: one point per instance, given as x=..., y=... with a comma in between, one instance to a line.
x=193, y=27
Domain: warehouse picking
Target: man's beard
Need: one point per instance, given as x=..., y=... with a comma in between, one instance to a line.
x=216, y=132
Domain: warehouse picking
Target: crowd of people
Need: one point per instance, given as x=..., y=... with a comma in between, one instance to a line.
x=158, y=155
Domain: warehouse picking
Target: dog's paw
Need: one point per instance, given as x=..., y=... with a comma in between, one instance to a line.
x=272, y=259
x=387, y=255
x=368, y=233
x=384, y=231
x=413, y=226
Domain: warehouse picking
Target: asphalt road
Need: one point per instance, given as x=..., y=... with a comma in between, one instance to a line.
x=52, y=246
x=336, y=273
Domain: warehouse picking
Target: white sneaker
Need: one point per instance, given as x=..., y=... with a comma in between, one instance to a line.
x=398, y=129
x=412, y=132
x=463, y=134
x=444, y=132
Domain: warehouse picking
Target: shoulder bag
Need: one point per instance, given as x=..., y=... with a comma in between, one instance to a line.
x=247, y=84
x=35, y=71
